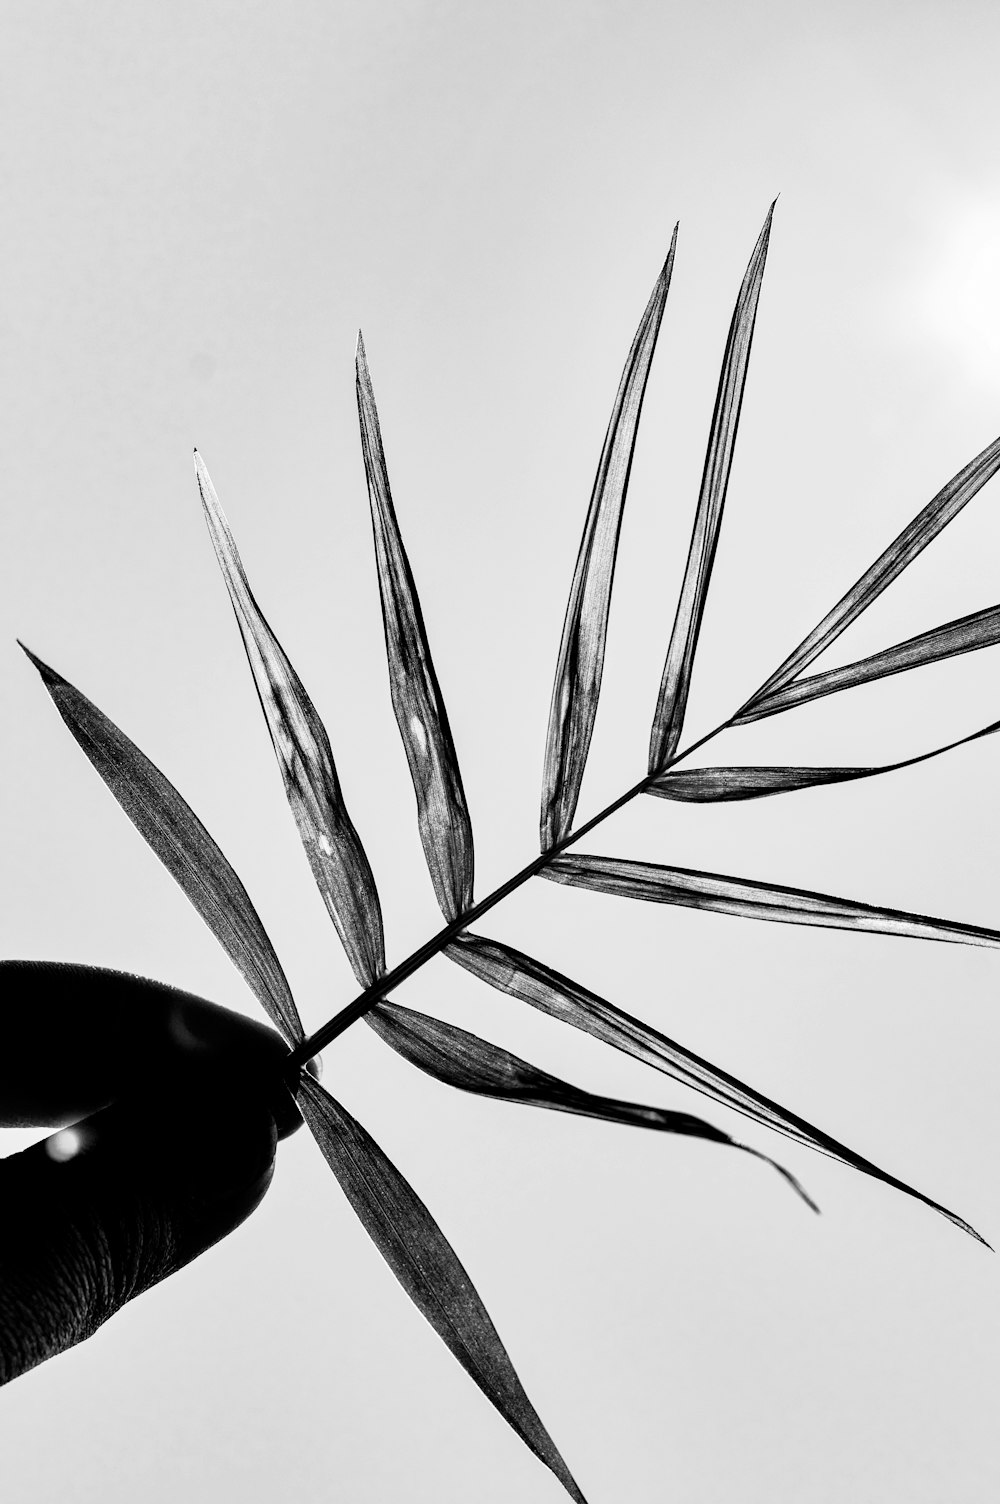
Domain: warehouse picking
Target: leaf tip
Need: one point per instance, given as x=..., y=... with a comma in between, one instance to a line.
x=798, y=1188
x=979, y=1238
x=49, y=675
x=670, y=254
x=765, y=234
x=201, y=474
x=957, y=1221
x=786, y=1175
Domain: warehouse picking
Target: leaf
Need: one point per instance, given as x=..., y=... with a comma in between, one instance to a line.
x=183, y=845
x=424, y=1262
x=541, y=987
x=442, y=813
x=713, y=785
x=463, y=1060
x=581, y=650
x=915, y=537
x=979, y=630
x=302, y=747
x=753, y=900
x=675, y=683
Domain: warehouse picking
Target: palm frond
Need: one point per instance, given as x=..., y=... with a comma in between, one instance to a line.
x=442, y=813
x=542, y=987
x=182, y=843
x=463, y=1060
x=337, y=858
x=981, y=629
x=675, y=684
x=914, y=538
x=580, y=664
x=719, y=785
x=750, y=899
x=426, y=1265
x=390, y=1210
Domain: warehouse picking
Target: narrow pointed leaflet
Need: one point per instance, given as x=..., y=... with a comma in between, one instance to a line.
x=717, y=785
x=914, y=538
x=442, y=813
x=463, y=1060
x=749, y=899
x=675, y=684
x=183, y=845
x=302, y=747
x=981, y=629
x=426, y=1265
x=540, y=986
x=581, y=650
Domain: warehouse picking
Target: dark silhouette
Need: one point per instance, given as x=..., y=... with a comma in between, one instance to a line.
x=177, y=1106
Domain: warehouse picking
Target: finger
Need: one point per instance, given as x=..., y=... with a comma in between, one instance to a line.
x=77, y=1038
x=101, y=1211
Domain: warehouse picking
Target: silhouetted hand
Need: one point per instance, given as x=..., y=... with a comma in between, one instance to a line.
x=177, y=1106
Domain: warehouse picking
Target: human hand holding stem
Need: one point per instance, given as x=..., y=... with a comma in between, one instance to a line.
x=393, y=1215
x=168, y=1109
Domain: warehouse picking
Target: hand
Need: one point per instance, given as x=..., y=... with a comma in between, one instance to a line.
x=177, y=1106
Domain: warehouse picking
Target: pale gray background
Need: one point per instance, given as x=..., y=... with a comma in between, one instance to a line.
x=200, y=203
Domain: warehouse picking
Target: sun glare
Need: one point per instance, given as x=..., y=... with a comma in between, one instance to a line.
x=956, y=292
x=65, y=1145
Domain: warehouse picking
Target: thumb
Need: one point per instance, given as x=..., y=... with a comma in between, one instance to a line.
x=101, y=1211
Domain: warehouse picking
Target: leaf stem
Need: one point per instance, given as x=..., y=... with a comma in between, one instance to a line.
x=432, y=947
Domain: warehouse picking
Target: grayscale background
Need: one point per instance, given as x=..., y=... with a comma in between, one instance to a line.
x=200, y=205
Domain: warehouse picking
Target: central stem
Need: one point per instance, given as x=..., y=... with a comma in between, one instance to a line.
x=432, y=947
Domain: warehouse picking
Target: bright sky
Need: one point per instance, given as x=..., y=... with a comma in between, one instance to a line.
x=954, y=288
x=202, y=203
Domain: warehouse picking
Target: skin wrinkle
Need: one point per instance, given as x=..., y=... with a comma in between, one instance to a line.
x=68, y=1262
x=80, y=1239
